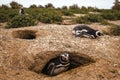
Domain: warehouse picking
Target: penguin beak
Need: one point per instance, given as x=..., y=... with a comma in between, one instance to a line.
x=65, y=58
x=73, y=31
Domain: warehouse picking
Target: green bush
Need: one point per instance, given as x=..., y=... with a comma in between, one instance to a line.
x=21, y=21
x=104, y=22
x=11, y=15
x=46, y=15
x=115, y=30
x=94, y=17
x=44, y=19
x=89, y=18
x=6, y=15
x=67, y=13
x=82, y=20
x=111, y=15
x=78, y=11
x=3, y=18
x=50, y=17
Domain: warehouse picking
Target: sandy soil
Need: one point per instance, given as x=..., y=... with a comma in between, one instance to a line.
x=18, y=56
x=115, y=22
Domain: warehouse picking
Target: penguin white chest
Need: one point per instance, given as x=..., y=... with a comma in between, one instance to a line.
x=60, y=69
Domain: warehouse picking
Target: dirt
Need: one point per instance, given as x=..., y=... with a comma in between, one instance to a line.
x=24, y=58
x=115, y=22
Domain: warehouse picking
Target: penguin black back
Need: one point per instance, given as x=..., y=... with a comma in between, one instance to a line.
x=86, y=30
x=48, y=67
x=57, y=65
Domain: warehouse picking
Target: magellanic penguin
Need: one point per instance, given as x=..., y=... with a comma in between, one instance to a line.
x=83, y=30
x=57, y=65
x=21, y=11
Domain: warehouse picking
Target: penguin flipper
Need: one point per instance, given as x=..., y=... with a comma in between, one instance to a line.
x=50, y=69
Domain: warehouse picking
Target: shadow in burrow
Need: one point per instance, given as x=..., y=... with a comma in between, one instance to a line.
x=24, y=34
x=76, y=60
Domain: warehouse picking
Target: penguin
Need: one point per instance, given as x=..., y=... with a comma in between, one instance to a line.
x=57, y=65
x=84, y=30
x=21, y=11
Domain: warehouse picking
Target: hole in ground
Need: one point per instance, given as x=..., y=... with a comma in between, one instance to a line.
x=24, y=34
x=76, y=60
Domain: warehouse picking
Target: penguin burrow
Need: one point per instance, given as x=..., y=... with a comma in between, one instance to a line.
x=53, y=63
x=24, y=34
x=57, y=65
x=84, y=30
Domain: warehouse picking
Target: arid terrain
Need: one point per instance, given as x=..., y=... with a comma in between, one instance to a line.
x=25, y=51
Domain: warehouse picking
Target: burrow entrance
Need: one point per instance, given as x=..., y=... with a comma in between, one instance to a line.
x=24, y=34
x=76, y=60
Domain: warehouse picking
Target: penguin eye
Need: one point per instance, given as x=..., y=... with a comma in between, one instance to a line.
x=65, y=55
x=99, y=34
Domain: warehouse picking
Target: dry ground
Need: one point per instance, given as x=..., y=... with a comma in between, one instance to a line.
x=17, y=56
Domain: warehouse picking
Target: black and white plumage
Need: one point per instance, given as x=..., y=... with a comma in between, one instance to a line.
x=21, y=11
x=83, y=30
x=57, y=65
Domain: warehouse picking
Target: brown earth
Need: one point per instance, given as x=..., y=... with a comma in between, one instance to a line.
x=20, y=59
x=115, y=22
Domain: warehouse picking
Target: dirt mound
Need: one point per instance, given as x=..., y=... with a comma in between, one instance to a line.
x=23, y=59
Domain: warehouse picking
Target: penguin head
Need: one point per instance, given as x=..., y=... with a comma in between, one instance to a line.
x=98, y=33
x=64, y=57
